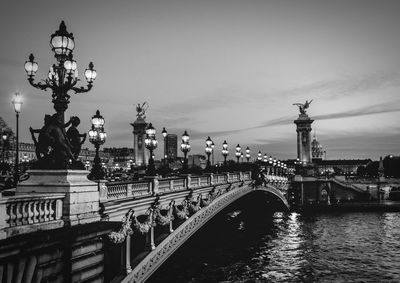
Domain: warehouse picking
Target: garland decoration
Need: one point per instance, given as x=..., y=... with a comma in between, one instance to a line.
x=163, y=216
x=143, y=225
x=119, y=237
x=180, y=211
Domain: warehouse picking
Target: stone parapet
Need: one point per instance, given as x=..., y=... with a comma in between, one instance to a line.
x=81, y=202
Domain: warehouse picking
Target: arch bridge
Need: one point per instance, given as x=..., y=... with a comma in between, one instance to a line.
x=176, y=210
x=67, y=228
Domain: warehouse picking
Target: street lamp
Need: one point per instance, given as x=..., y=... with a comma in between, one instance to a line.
x=259, y=156
x=62, y=76
x=212, y=147
x=208, y=151
x=265, y=159
x=248, y=154
x=238, y=153
x=151, y=144
x=225, y=151
x=17, y=102
x=97, y=137
x=4, y=138
x=185, y=148
x=164, y=134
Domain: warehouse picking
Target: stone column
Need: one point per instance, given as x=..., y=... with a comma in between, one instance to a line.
x=303, y=130
x=139, y=134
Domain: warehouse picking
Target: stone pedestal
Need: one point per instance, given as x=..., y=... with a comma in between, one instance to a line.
x=81, y=202
x=139, y=134
x=303, y=130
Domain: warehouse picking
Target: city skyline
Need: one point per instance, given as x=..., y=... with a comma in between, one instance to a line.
x=226, y=69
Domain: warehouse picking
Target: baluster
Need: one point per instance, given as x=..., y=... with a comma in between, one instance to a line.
x=52, y=205
x=41, y=211
x=18, y=213
x=25, y=209
x=30, y=212
x=36, y=205
x=11, y=214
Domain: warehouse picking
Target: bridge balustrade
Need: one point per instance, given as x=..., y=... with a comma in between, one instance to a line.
x=25, y=210
x=233, y=177
x=220, y=178
x=171, y=185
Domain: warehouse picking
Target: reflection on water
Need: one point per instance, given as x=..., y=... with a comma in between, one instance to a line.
x=289, y=247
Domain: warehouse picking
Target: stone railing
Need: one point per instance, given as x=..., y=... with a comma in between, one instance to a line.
x=122, y=190
x=171, y=185
x=26, y=210
x=199, y=181
x=220, y=178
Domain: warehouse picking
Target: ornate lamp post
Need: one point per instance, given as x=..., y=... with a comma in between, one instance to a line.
x=238, y=153
x=4, y=138
x=17, y=102
x=185, y=148
x=97, y=137
x=151, y=144
x=225, y=151
x=248, y=154
x=208, y=151
x=62, y=76
x=242, y=156
x=259, y=156
x=212, y=152
x=164, y=134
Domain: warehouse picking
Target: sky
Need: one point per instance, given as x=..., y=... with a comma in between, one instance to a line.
x=226, y=69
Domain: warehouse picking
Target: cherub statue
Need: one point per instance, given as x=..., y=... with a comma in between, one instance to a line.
x=303, y=107
x=141, y=110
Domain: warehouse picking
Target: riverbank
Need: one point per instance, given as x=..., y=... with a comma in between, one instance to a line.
x=382, y=206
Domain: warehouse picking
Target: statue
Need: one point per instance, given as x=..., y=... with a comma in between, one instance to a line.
x=303, y=107
x=53, y=148
x=141, y=110
x=74, y=137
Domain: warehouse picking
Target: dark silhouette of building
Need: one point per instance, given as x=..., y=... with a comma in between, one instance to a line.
x=172, y=146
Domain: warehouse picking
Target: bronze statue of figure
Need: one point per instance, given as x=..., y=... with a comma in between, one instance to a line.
x=74, y=137
x=303, y=107
x=53, y=148
x=141, y=110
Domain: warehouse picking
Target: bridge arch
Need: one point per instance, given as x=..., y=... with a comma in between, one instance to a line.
x=171, y=243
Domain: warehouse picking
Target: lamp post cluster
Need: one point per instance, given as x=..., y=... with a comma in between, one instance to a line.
x=151, y=144
x=97, y=136
x=4, y=139
x=238, y=152
x=248, y=154
x=185, y=148
x=225, y=151
x=17, y=102
x=165, y=133
x=209, y=150
x=62, y=76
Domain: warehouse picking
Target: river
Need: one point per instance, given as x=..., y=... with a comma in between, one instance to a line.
x=289, y=247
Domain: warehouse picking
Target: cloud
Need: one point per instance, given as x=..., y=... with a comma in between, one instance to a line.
x=369, y=110
x=350, y=85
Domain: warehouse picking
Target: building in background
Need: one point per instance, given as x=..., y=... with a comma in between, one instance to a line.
x=171, y=141
x=317, y=151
